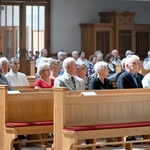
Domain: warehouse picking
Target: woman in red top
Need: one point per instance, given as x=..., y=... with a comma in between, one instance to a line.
x=44, y=81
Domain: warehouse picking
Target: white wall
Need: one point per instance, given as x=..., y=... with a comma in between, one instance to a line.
x=67, y=14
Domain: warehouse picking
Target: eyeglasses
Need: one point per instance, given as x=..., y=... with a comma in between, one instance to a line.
x=45, y=70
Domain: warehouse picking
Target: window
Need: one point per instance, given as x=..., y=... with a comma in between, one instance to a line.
x=24, y=24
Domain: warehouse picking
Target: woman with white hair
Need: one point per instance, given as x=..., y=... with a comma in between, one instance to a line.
x=5, y=65
x=44, y=80
x=100, y=81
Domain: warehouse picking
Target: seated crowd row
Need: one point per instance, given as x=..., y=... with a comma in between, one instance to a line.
x=78, y=73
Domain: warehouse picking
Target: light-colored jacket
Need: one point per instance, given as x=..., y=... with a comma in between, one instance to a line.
x=65, y=81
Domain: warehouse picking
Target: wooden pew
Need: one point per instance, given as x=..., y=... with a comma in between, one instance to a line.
x=35, y=109
x=31, y=80
x=122, y=112
x=32, y=68
x=144, y=72
x=24, y=88
x=118, y=68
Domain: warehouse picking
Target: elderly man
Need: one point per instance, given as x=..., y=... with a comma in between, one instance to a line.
x=68, y=79
x=116, y=57
x=130, y=78
x=44, y=53
x=13, y=76
x=75, y=55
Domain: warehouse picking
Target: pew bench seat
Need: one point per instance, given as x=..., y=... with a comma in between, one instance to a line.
x=27, y=124
x=107, y=126
x=28, y=128
x=95, y=132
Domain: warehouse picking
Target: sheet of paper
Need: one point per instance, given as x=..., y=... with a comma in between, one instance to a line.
x=88, y=93
x=13, y=92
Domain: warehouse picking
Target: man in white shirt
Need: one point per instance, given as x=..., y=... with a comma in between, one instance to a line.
x=44, y=53
x=13, y=76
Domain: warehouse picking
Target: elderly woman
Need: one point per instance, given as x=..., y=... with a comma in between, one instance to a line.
x=3, y=79
x=100, y=80
x=54, y=68
x=43, y=59
x=44, y=80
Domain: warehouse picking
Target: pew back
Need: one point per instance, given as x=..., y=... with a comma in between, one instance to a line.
x=107, y=107
x=31, y=79
x=24, y=107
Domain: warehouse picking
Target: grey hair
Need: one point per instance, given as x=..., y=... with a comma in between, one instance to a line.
x=42, y=66
x=53, y=62
x=59, y=54
x=100, y=66
x=128, y=52
x=13, y=59
x=74, y=52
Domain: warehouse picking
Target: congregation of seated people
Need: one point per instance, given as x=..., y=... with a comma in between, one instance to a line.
x=77, y=72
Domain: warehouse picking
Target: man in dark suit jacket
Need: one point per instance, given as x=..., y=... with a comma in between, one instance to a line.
x=130, y=78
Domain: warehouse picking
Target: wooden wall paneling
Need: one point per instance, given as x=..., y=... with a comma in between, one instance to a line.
x=116, y=30
x=97, y=36
x=87, y=39
x=142, y=39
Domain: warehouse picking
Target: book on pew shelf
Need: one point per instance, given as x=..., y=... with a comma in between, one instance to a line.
x=88, y=93
x=13, y=92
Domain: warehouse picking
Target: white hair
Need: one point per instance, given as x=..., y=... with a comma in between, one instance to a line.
x=80, y=64
x=131, y=58
x=123, y=63
x=42, y=66
x=67, y=61
x=0, y=62
x=148, y=52
x=3, y=59
x=100, y=66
